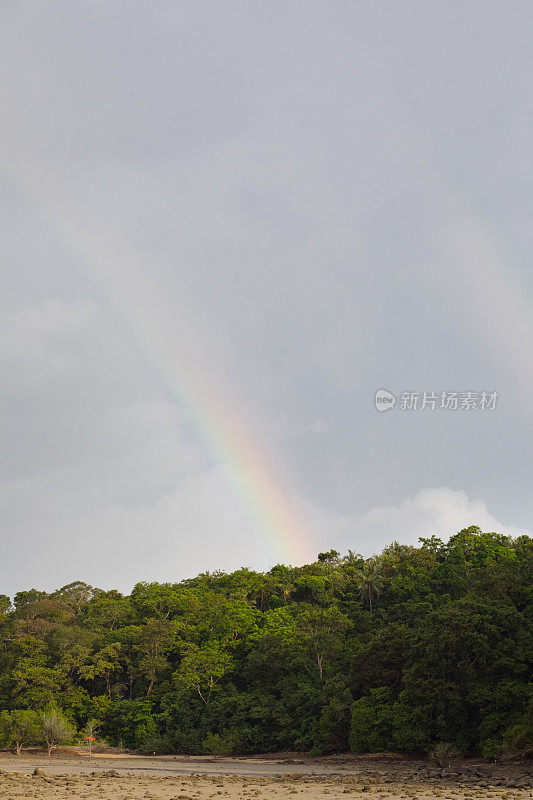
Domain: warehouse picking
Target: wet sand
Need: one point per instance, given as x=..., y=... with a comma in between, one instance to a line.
x=127, y=777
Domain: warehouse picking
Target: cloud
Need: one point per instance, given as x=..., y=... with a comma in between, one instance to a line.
x=150, y=506
x=199, y=525
x=431, y=511
x=254, y=210
x=37, y=338
x=140, y=502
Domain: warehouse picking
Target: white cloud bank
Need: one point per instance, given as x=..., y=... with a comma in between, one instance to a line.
x=198, y=525
x=431, y=511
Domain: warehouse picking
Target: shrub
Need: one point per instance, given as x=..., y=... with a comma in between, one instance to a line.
x=219, y=745
x=442, y=753
x=18, y=728
x=156, y=745
x=371, y=724
x=55, y=729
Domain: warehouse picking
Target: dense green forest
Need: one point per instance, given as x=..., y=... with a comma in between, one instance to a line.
x=401, y=651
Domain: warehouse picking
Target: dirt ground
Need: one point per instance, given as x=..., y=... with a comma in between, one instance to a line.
x=130, y=777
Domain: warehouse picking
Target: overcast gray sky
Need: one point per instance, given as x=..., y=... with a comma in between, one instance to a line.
x=225, y=225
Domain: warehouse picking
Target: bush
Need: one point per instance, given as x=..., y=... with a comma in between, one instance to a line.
x=128, y=722
x=380, y=723
x=18, y=728
x=411, y=733
x=491, y=749
x=55, y=729
x=371, y=724
x=187, y=741
x=443, y=753
x=518, y=739
x=219, y=745
x=156, y=745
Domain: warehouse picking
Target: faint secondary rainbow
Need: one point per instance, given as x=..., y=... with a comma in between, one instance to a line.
x=499, y=307
x=124, y=287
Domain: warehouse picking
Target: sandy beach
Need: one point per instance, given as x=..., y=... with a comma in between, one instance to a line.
x=127, y=777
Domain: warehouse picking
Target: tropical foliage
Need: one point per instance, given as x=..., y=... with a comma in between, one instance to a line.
x=407, y=650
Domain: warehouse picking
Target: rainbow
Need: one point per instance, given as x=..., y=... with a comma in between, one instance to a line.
x=476, y=266
x=498, y=305
x=123, y=285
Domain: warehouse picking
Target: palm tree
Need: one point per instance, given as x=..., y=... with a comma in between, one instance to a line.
x=369, y=583
x=286, y=586
x=351, y=559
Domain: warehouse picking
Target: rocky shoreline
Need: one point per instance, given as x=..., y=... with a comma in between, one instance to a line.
x=174, y=778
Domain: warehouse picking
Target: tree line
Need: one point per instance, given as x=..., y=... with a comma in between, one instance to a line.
x=403, y=651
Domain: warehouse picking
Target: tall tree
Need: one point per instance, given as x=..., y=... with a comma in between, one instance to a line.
x=369, y=583
x=322, y=629
x=201, y=669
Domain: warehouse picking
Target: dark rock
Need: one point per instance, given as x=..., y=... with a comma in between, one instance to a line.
x=483, y=772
